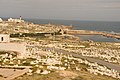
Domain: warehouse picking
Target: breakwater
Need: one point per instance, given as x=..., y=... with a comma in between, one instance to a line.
x=86, y=32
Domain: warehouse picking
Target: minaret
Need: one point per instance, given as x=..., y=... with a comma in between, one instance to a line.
x=20, y=18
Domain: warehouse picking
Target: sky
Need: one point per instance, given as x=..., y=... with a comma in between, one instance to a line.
x=100, y=10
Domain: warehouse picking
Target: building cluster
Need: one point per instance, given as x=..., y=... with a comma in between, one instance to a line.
x=15, y=20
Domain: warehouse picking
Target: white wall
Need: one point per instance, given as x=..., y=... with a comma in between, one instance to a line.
x=18, y=47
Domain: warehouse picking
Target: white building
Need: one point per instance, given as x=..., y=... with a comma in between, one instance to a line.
x=6, y=45
x=4, y=38
x=1, y=20
x=15, y=20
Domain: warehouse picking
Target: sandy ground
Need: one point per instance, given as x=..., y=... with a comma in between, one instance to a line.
x=67, y=74
x=9, y=74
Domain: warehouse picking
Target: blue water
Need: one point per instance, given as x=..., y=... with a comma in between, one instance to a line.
x=85, y=25
x=106, y=26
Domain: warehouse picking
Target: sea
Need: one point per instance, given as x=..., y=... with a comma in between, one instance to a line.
x=104, y=26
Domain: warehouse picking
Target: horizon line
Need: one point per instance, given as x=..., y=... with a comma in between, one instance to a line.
x=62, y=19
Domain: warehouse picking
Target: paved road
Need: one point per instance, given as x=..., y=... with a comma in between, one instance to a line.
x=101, y=62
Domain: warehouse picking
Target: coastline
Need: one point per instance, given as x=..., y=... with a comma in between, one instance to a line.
x=93, y=33
x=86, y=32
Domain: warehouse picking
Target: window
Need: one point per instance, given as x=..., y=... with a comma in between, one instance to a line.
x=1, y=38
